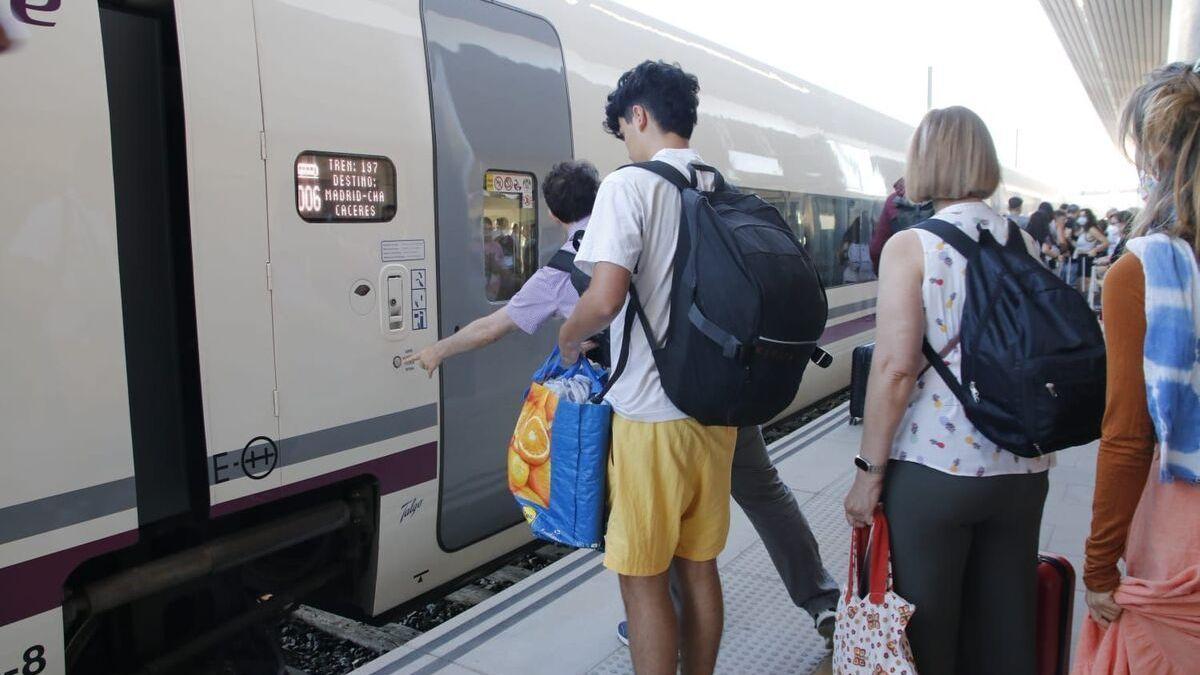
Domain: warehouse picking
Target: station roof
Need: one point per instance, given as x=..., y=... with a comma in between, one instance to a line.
x=1112, y=44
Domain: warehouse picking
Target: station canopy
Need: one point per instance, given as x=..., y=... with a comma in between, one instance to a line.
x=1112, y=44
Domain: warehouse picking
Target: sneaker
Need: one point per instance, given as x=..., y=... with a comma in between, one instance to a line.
x=623, y=632
x=826, y=622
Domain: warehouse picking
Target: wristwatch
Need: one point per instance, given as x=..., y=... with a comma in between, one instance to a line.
x=868, y=467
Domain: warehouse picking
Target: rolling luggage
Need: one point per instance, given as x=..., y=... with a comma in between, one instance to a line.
x=1055, y=609
x=860, y=367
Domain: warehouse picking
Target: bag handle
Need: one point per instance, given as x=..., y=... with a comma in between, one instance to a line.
x=874, y=548
x=553, y=368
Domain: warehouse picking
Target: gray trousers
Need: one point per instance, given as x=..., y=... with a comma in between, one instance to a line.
x=772, y=509
x=964, y=551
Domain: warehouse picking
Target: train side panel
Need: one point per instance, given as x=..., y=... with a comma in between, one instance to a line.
x=66, y=489
x=227, y=189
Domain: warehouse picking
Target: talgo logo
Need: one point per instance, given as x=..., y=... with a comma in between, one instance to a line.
x=21, y=10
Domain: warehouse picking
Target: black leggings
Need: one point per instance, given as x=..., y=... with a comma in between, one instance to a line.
x=964, y=550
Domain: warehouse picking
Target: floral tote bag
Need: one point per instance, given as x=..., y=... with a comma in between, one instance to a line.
x=870, y=636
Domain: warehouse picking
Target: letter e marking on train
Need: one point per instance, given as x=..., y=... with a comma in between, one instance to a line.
x=21, y=8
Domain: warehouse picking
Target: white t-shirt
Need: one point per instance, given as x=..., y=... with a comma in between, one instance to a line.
x=634, y=224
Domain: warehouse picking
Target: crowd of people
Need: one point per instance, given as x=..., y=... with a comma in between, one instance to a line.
x=1073, y=241
x=964, y=512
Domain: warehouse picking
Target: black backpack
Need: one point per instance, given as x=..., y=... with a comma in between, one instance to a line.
x=1033, y=364
x=747, y=307
x=909, y=214
x=564, y=261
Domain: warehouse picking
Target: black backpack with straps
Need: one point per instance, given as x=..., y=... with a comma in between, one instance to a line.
x=1033, y=360
x=746, y=310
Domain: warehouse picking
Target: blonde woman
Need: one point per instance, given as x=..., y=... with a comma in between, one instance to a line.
x=1146, y=507
x=964, y=513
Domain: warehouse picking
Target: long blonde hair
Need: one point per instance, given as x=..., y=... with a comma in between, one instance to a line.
x=1162, y=122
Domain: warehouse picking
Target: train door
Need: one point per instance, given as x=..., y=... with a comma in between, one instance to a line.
x=350, y=222
x=501, y=119
x=227, y=192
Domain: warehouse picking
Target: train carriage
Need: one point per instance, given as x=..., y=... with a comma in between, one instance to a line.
x=225, y=224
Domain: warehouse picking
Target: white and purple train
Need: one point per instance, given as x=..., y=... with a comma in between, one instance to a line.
x=225, y=222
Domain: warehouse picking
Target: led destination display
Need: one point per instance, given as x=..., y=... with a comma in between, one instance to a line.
x=341, y=188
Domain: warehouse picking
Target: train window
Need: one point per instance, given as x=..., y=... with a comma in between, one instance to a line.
x=510, y=232
x=854, y=252
x=341, y=188
x=835, y=231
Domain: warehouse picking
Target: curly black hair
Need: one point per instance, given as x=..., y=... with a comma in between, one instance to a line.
x=665, y=90
x=570, y=189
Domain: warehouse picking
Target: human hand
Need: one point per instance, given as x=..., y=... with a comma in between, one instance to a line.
x=862, y=499
x=1102, y=607
x=429, y=359
x=568, y=353
x=588, y=346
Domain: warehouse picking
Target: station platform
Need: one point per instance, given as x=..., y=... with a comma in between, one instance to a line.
x=563, y=619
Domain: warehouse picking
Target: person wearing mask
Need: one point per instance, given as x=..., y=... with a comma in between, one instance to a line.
x=570, y=190
x=1090, y=242
x=1014, y=211
x=883, y=229
x=1112, y=230
x=1146, y=504
x=964, y=513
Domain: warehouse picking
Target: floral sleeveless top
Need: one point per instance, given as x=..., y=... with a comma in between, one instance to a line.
x=935, y=431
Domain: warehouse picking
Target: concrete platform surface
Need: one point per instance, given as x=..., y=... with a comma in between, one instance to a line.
x=563, y=619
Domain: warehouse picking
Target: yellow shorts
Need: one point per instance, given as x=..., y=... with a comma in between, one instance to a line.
x=668, y=488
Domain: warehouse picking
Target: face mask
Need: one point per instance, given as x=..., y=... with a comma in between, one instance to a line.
x=1081, y=220
x=1146, y=185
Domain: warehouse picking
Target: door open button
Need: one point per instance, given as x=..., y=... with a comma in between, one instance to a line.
x=395, y=302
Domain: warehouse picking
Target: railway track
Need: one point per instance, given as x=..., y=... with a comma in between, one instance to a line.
x=317, y=642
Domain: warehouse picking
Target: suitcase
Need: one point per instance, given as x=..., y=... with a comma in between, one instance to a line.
x=1055, y=610
x=860, y=367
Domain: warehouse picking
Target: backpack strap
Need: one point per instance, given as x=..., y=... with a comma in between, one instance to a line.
x=563, y=261
x=950, y=234
x=667, y=172
x=632, y=311
x=968, y=248
x=1015, y=241
x=952, y=383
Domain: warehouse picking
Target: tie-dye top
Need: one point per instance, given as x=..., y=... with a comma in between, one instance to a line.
x=935, y=431
x=1172, y=352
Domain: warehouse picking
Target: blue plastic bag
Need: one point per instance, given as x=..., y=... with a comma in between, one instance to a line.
x=557, y=458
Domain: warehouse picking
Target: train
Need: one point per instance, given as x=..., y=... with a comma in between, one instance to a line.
x=227, y=222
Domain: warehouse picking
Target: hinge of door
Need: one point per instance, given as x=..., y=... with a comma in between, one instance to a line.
x=262, y=144
x=275, y=401
x=270, y=280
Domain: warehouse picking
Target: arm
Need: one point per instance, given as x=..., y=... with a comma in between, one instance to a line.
x=597, y=308
x=479, y=333
x=1102, y=238
x=895, y=366
x=1127, y=435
